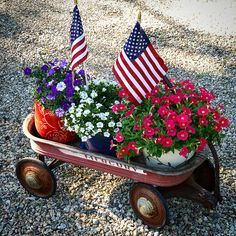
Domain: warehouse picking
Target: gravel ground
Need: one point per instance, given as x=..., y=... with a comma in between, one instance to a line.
x=89, y=202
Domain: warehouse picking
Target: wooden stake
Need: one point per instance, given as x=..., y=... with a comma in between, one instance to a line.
x=139, y=17
x=76, y=2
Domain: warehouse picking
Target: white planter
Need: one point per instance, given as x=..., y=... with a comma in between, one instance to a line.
x=169, y=159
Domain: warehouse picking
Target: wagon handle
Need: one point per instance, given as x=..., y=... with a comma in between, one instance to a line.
x=217, y=172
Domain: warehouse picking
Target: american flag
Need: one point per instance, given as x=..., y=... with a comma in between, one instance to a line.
x=138, y=67
x=79, y=48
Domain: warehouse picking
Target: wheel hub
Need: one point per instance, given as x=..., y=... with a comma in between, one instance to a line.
x=145, y=207
x=32, y=180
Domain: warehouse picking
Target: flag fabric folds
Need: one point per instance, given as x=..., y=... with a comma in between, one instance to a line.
x=138, y=67
x=79, y=48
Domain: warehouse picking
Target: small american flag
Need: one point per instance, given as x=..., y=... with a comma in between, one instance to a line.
x=138, y=67
x=79, y=48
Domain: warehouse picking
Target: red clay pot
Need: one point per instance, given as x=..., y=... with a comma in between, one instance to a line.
x=50, y=127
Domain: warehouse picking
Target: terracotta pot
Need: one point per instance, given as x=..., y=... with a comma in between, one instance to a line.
x=50, y=127
x=167, y=160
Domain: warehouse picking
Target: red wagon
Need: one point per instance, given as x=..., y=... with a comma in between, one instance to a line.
x=197, y=180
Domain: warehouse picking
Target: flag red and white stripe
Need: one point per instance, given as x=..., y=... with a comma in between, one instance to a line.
x=138, y=67
x=79, y=51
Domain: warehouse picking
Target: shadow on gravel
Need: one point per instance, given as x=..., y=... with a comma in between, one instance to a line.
x=8, y=26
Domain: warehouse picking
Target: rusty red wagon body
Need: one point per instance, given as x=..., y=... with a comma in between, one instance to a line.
x=197, y=179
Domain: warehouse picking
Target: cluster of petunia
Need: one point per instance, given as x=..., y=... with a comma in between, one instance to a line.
x=91, y=113
x=54, y=89
x=181, y=118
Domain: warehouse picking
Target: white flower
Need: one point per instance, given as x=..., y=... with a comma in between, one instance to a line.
x=116, y=130
x=89, y=100
x=76, y=128
x=96, y=82
x=88, y=124
x=107, y=113
x=111, y=124
x=61, y=86
x=82, y=130
x=116, y=102
x=118, y=124
x=86, y=112
x=83, y=95
x=77, y=88
x=98, y=105
x=99, y=124
x=104, y=89
x=84, y=139
x=99, y=130
x=78, y=114
x=106, y=134
x=94, y=94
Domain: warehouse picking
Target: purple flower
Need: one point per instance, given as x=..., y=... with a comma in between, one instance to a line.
x=44, y=68
x=68, y=78
x=77, y=82
x=65, y=106
x=59, y=112
x=54, y=90
x=27, y=71
x=39, y=89
x=81, y=72
x=49, y=84
x=50, y=96
x=43, y=100
x=56, y=60
x=44, y=80
x=51, y=72
x=69, y=91
x=63, y=63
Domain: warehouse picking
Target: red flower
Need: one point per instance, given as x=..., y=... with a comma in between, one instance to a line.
x=162, y=111
x=130, y=112
x=217, y=127
x=121, y=107
x=183, y=125
x=124, y=151
x=159, y=139
x=122, y=93
x=184, y=151
x=171, y=132
x=223, y=122
x=182, y=118
x=182, y=135
x=171, y=114
x=191, y=129
x=155, y=90
x=149, y=132
x=202, y=144
x=132, y=146
x=186, y=111
x=170, y=124
x=147, y=123
x=167, y=142
x=216, y=114
x=205, y=95
x=203, y=121
x=119, y=137
x=175, y=99
x=136, y=127
x=202, y=111
x=155, y=100
x=114, y=108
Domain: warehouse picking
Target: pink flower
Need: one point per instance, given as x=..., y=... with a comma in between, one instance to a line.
x=182, y=135
x=202, y=111
x=171, y=132
x=182, y=118
x=203, y=121
x=121, y=107
x=122, y=93
x=147, y=123
x=184, y=151
x=124, y=150
x=170, y=124
x=205, y=95
x=159, y=139
x=167, y=142
x=183, y=125
x=119, y=137
x=114, y=108
x=112, y=145
x=175, y=99
x=223, y=122
x=186, y=111
x=130, y=112
x=155, y=90
x=217, y=127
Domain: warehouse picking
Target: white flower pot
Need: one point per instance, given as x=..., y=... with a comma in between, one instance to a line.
x=170, y=159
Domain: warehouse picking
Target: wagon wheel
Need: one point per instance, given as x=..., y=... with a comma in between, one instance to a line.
x=204, y=175
x=36, y=177
x=149, y=205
